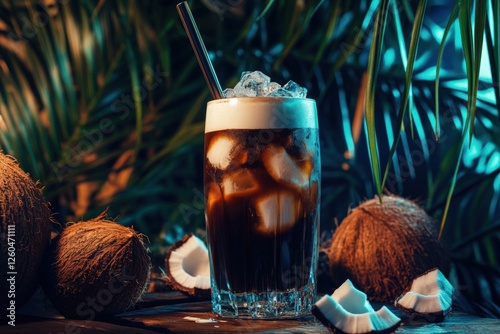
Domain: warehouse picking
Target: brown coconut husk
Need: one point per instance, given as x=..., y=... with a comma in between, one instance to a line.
x=96, y=268
x=23, y=206
x=382, y=247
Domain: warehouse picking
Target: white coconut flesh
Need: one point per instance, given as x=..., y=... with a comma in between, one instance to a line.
x=429, y=293
x=349, y=311
x=189, y=264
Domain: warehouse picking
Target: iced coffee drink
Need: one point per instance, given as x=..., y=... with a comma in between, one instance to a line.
x=262, y=188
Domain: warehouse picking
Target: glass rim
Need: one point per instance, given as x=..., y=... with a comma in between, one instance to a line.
x=261, y=98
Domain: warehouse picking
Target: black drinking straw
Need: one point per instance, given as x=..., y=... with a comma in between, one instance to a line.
x=199, y=49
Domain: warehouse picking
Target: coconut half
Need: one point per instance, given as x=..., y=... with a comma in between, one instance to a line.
x=347, y=310
x=429, y=297
x=187, y=266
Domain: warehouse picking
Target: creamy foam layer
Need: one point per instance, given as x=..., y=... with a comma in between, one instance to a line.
x=260, y=113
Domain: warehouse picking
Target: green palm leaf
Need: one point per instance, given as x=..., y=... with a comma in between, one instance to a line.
x=373, y=69
x=417, y=26
x=472, y=53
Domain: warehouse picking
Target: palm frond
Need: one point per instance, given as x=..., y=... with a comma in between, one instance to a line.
x=103, y=102
x=373, y=69
x=415, y=36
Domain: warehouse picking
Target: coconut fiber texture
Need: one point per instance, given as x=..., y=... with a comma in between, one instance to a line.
x=25, y=227
x=381, y=248
x=96, y=268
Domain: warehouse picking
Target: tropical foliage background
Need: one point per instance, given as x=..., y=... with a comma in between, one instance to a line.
x=103, y=102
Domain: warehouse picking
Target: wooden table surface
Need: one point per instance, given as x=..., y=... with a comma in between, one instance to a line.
x=172, y=312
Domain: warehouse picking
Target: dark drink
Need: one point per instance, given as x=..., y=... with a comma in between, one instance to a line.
x=262, y=186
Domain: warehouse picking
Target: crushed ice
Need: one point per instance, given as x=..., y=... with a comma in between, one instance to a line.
x=256, y=83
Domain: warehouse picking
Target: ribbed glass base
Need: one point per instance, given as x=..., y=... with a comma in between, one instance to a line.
x=266, y=305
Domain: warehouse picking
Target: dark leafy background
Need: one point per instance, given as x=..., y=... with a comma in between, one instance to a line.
x=103, y=102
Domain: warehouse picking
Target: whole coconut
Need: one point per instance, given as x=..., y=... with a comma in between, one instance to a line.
x=382, y=247
x=96, y=268
x=25, y=227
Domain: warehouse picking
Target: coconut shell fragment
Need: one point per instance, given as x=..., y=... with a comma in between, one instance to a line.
x=25, y=227
x=429, y=297
x=347, y=310
x=187, y=266
x=96, y=268
x=382, y=247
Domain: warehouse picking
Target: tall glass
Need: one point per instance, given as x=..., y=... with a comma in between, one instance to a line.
x=262, y=191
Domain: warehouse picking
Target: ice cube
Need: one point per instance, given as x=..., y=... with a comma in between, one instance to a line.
x=291, y=86
x=272, y=87
x=220, y=151
x=298, y=146
x=284, y=169
x=294, y=89
x=229, y=92
x=280, y=92
x=252, y=84
x=290, y=89
x=241, y=182
x=278, y=211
